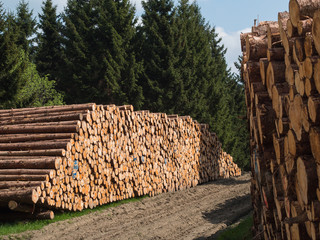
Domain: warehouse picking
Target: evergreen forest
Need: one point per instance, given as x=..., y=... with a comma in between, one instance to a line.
x=169, y=59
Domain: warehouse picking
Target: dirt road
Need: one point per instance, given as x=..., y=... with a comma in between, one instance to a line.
x=196, y=213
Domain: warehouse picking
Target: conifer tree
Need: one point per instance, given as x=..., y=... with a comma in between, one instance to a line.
x=20, y=84
x=11, y=66
x=25, y=27
x=160, y=80
x=49, y=50
x=195, y=60
x=99, y=59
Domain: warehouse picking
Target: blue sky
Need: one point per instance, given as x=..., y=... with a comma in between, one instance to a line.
x=230, y=17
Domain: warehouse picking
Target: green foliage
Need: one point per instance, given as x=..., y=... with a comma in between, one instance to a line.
x=49, y=50
x=100, y=63
x=160, y=80
x=37, y=91
x=20, y=84
x=11, y=64
x=240, y=232
x=25, y=26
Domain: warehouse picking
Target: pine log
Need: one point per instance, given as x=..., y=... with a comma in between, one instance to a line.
x=256, y=47
x=278, y=144
x=296, y=148
x=46, y=152
x=34, y=145
x=41, y=163
x=310, y=87
x=275, y=74
x=20, y=207
x=20, y=216
x=296, y=108
x=253, y=69
x=305, y=26
x=299, y=83
x=59, y=118
x=15, y=171
x=290, y=73
x=279, y=90
x=314, y=135
x=12, y=138
x=16, y=129
x=23, y=111
x=299, y=49
x=300, y=9
x=275, y=54
x=307, y=178
x=291, y=30
x=24, y=177
x=309, y=47
x=19, y=184
x=314, y=108
x=316, y=30
x=263, y=66
x=20, y=195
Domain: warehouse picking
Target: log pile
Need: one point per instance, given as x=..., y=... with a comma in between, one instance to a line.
x=81, y=156
x=281, y=71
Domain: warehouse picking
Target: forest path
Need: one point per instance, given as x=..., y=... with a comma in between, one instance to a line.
x=195, y=213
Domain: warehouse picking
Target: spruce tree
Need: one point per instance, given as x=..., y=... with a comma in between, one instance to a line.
x=161, y=82
x=20, y=84
x=25, y=27
x=195, y=60
x=49, y=50
x=100, y=62
x=11, y=64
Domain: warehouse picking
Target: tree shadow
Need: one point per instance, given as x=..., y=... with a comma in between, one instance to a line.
x=228, y=213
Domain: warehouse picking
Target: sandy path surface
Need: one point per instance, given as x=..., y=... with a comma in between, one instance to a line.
x=196, y=213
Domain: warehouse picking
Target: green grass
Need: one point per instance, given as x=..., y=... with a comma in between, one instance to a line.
x=239, y=232
x=22, y=226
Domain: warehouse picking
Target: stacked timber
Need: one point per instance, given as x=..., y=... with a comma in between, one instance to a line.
x=81, y=156
x=281, y=70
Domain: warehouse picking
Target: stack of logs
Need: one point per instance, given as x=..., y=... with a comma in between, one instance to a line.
x=281, y=70
x=81, y=156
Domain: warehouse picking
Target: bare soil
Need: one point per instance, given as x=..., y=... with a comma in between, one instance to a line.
x=196, y=213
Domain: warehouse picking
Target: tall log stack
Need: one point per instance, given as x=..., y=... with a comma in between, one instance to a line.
x=81, y=156
x=281, y=70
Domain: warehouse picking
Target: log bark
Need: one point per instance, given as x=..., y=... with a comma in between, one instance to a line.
x=19, y=216
x=16, y=129
x=275, y=54
x=12, y=138
x=300, y=9
x=305, y=26
x=275, y=74
x=41, y=163
x=256, y=47
x=20, y=195
x=46, y=152
x=19, y=184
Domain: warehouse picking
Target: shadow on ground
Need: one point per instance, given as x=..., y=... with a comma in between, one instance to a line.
x=237, y=208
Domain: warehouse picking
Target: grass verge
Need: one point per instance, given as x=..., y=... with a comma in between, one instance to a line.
x=26, y=225
x=242, y=231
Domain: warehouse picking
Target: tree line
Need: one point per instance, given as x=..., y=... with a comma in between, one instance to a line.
x=169, y=60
